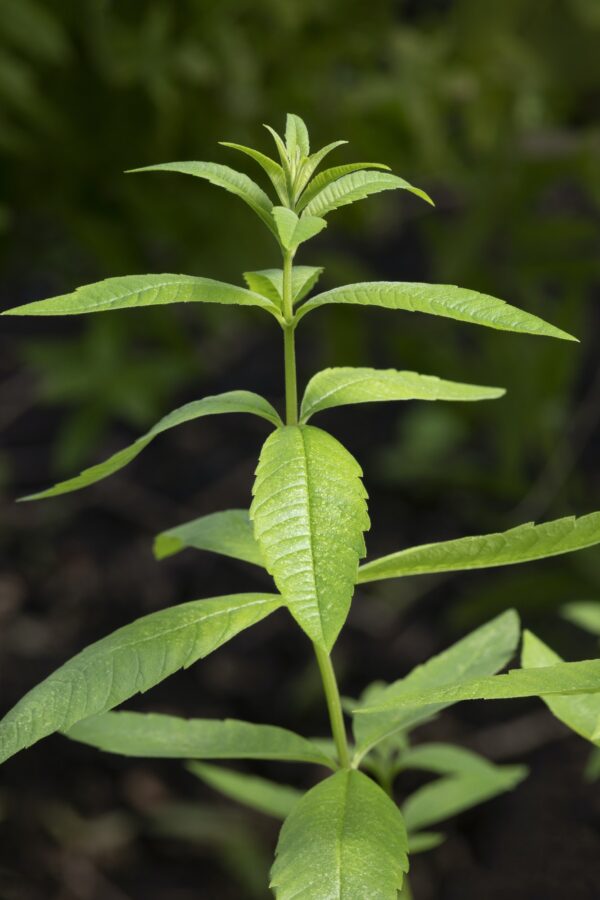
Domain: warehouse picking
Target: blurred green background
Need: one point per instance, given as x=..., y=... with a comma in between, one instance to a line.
x=490, y=107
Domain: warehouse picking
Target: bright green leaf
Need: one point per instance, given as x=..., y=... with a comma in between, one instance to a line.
x=132, y=291
x=483, y=652
x=273, y=169
x=230, y=402
x=344, y=840
x=311, y=165
x=309, y=515
x=422, y=841
x=132, y=659
x=277, y=800
x=269, y=282
x=445, y=300
x=170, y=737
x=584, y=613
x=521, y=544
x=229, y=533
x=329, y=176
x=357, y=186
x=581, y=712
x=293, y=231
x=222, y=176
x=344, y=386
x=296, y=136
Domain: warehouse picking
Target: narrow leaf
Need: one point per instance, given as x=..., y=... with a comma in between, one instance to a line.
x=132, y=291
x=309, y=514
x=169, y=737
x=345, y=386
x=329, y=176
x=344, y=840
x=421, y=842
x=229, y=533
x=293, y=231
x=269, y=282
x=222, y=176
x=517, y=545
x=444, y=300
x=277, y=800
x=296, y=136
x=483, y=652
x=230, y=402
x=132, y=659
x=268, y=165
x=581, y=712
x=357, y=186
x=311, y=165
x=585, y=614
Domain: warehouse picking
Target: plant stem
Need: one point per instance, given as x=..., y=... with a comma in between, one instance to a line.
x=334, y=705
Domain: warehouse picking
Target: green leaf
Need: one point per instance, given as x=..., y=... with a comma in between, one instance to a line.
x=329, y=176
x=483, y=652
x=132, y=659
x=132, y=291
x=580, y=713
x=273, y=169
x=344, y=840
x=517, y=545
x=357, y=186
x=229, y=533
x=446, y=797
x=293, y=231
x=269, y=282
x=344, y=386
x=277, y=800
x=562, y=678
x=309, y=514
x=422, y=841
x=311, y=165
x=169, y=737
x=222, y=176
x=445, y=300
x=586, y=614
x=445, y=759
x=230, y=402
x=296, y=136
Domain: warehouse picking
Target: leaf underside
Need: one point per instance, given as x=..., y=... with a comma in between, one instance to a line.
x=229, y=533
x=309, y=515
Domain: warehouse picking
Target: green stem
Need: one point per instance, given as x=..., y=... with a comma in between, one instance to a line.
x=334, y=705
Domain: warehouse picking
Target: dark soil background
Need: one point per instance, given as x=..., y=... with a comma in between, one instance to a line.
x=496, y=115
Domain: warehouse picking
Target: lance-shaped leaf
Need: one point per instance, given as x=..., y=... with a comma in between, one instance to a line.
x=309, y=515
x=329, y=176
x=222, y=176
x=311, y=165
x=293, y=231
x=580, y=712
x=585, y=614
x=269, y=797
x=169, y=737
x=345, y=386
x=230, y=402
x=524, y=543
x=421, y=842
x=357, y=186
x=269, y=282
x=296, y=136
x=229, y=532
x=132, y=291
x=344, y=840
x=483, y=652
x=445, y=300
x=268, y=165
x=132, y=659
x=562, y=678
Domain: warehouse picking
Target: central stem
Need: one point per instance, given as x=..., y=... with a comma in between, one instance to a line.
x=330, y=686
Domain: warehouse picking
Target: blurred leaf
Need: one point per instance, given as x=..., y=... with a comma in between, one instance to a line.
x=277, y=800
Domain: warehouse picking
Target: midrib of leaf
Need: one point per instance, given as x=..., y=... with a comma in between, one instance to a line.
x=310, y=533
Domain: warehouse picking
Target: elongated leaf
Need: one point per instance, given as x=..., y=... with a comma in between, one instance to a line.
x=444, y=300
x=229, y=532
x=132, y=291
x=269, y=797
x=344, y=840
x=562, y=678
x=517, y=545
x=585, y=613
x=483, y=652
x=329, y=176
x=222, y=176
x=269, y=282
x=296, y=136
x=169, y=737
x=132, y=659
x=421, y=842
x=580, y=712
x=357, y=186
x=293, y=231
x=230, y=402
x=446, y=797
x=345, y=386
x=311, y=165
x=268, y=165
x=444, y=759
x=309, y=514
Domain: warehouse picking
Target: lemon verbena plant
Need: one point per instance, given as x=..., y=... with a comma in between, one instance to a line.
x=346, y=837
